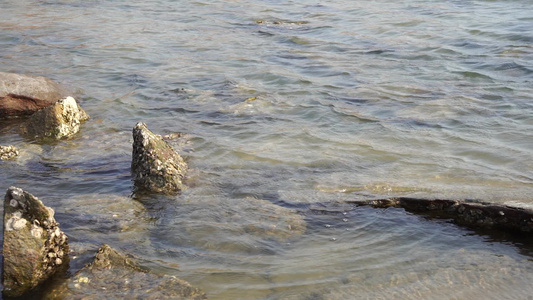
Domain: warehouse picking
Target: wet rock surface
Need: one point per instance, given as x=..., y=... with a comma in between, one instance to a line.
x=8, y=152
x=58, y=121
x=34, y=246
x=25, y=94
x=155, y=166
x=114, y=275
x=476, y=214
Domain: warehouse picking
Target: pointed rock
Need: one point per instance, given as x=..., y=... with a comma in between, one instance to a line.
x=58, y=121
x=8, y=152
x=34, y=246
x=24, y=94
x=114, y=275
x=155, y=166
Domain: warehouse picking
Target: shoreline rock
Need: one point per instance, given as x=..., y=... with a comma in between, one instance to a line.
x=155, y=165
x=470, y=213
x=8, y=152
x=22, y=95
x=34, y=246
x=113, y=275
x=60, y=120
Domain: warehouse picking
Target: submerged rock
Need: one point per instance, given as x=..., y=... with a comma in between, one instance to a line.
x=155, y=166
x=240, y=225
x=60, y=120
x=8, y=152
x=34, y=246
x=24, y=94
x=114, y=275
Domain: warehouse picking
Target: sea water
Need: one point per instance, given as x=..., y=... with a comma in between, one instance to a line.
x=289, y=108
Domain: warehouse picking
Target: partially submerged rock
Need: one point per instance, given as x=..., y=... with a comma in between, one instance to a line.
x=24, y=94
x=8, y=152
x=155, y=166
x=34, y=246
x=114, y=275
x=60, y=120
x=476, y=214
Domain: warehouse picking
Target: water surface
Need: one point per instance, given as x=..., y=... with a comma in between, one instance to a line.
x=288, y=105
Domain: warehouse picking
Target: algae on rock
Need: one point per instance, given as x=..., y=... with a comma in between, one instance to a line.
x=34, y=246
x=155, y=166
x=58, y=121
x=114, y=275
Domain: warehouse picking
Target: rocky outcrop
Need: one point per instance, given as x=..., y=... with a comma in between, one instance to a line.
x=470, y=213
x=34, y=246
x=114, y=275
x=58, y=121
x=24, y=94
x=155, y=166
x=8, y=152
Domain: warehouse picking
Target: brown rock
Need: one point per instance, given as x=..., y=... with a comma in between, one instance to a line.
x=34, y=246
x=24, y=94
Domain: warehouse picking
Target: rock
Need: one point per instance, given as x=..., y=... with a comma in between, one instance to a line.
x=24, y=94
x=8, y=152
x=469, y=213
x=155, y=166
x=60, y=120
x=34, y=246
x=114, y=275
x=269, y=220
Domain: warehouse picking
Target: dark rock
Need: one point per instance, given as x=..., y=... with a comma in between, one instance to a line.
x=470, y=213
x=24, y=94
x=155, y=166
x=57, y=121
x=114, y=275
x=34, y=246
x=8, y=152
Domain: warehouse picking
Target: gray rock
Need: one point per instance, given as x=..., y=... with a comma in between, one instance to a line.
x=24, y=94
x=34, y=246
x=58, y=121
x=114, y=275
x=8, y=152
x=155, y=166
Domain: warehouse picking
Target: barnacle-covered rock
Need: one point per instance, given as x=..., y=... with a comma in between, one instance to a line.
x=58, y=121
x=8, y=152
x=155, y=166
x=115, y=275
x=34, y=246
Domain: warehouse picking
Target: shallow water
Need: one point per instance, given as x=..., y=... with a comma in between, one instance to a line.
x=288, y=105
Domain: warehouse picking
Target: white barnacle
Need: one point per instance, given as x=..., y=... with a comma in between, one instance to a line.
x=36, y=231
x=17, y=193
x=13, y=203
x=15, y=223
